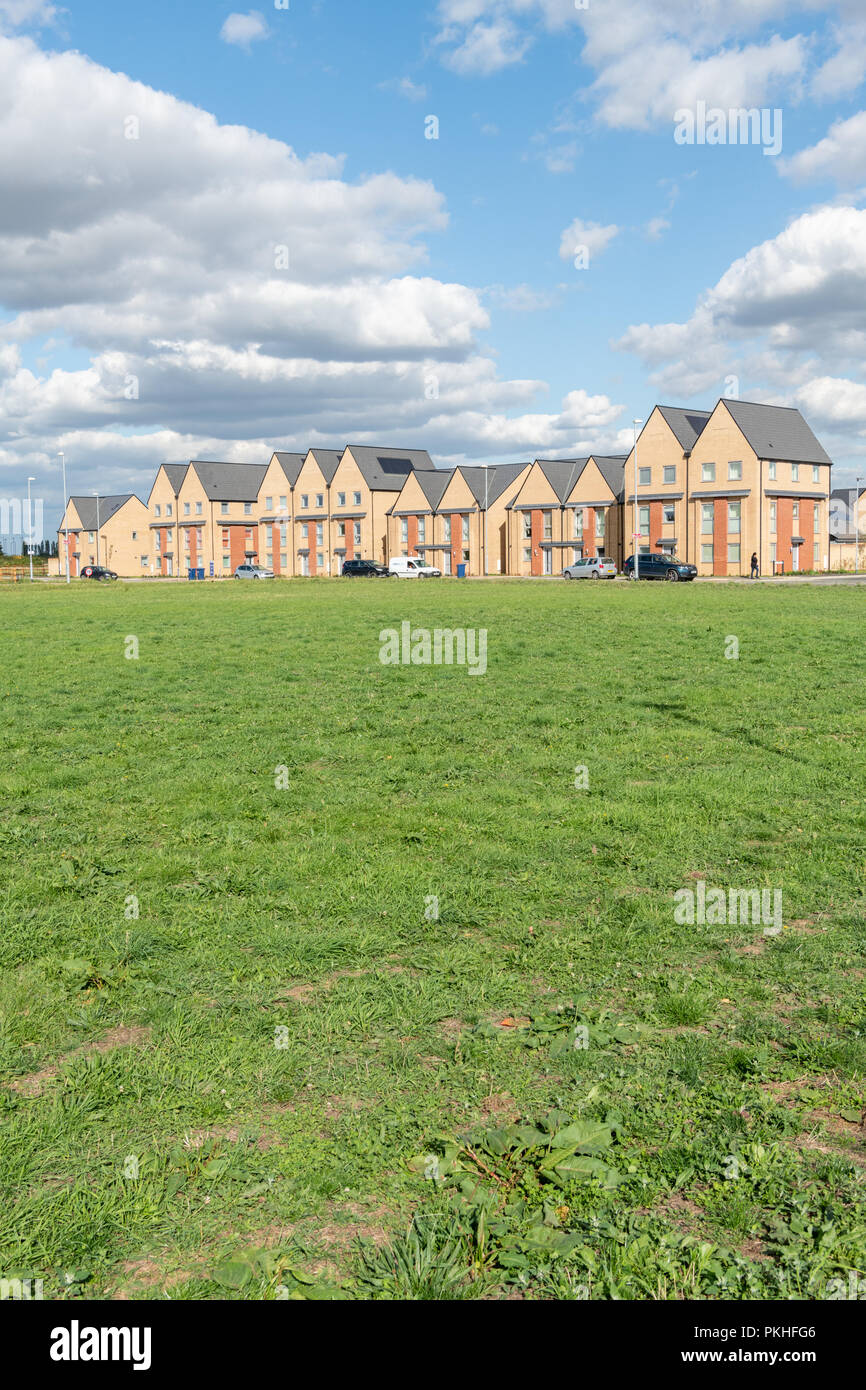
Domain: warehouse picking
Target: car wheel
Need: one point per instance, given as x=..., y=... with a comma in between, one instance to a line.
x=672, y=576
x=596, y=575
x=566, y=574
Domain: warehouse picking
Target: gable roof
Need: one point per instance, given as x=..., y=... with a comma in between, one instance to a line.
x=686, y=424
x=612, y=469
x=433, y=482
x=327, y=459
x=230, y=482
x=175, y=472
x=562, y=474
x=388, y=469
x=108, y=507
x=777, y=432
x=291, y=465
x=490, y=482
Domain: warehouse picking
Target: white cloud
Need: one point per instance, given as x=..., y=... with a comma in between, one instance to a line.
x=486, y=48
x=21, y=14
x=405, y=87
x=243, y=30
x=155, y=259
x=841, y=155
x=591, y=235
x=656, y=227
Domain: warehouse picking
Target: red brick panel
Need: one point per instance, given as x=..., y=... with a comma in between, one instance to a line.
x=457, y=539
x=237, y=546
x=537, y=533
x=655, y=531
x=720, y=535
x=165, y=542
x=193, y=547
x=806, y=529
x=589, y=532
x=784, y=530
x=412, y=539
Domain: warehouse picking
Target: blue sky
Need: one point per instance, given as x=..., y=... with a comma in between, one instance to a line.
x=431, y=296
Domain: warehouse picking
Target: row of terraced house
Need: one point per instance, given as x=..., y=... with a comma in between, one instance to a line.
x=711, y=486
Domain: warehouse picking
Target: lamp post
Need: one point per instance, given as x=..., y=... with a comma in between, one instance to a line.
x=636, y=538
x=30, y=527
x=486, y=475
x=96, y=495
x=65, y=511
x=857, y=525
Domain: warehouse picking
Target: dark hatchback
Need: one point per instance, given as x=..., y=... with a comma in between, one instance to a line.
x=669, y=567
x=97, y=572
x=365, y=569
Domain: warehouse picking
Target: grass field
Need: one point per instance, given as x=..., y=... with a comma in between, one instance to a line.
x=287, y=1077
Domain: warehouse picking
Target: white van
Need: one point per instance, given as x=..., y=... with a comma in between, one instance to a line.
x=410, y=567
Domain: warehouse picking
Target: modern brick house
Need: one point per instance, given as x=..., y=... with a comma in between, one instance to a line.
x=122, y=542
x=564, y=509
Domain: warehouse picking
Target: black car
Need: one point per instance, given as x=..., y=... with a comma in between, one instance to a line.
x=365, y=568
x=669, y=567
x=97, y=572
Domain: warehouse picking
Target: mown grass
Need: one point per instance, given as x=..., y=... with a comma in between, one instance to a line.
x=286, y=1077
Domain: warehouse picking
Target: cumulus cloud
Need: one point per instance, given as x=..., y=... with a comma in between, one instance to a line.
x=243, y=30
x=405, y=87
x=841, y=155
x=221, y=294
x=591, y=235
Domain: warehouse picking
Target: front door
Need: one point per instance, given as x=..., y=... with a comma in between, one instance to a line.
x=548, y=561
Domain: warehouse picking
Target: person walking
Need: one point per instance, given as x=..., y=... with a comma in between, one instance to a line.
x=754, y=564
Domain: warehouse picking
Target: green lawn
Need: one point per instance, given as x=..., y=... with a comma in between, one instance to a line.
x=287, y=1077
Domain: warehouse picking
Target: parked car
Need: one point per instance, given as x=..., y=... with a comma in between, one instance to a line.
x=669, y=567
x=253, y=572
x=591, y=567
x=365, y=569
x=97, y=572
x=410, y=567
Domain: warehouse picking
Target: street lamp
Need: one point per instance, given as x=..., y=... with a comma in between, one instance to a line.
x=636, y=537
x=65, y=511
x=485, y=466
x=857, y=524
x=96, y=495
x=30, y=527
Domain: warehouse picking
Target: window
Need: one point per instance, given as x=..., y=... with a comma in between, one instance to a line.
x=643, y=524
x=795, y=511
x=734, y=518
x=269, y=559
x=356, y=533
x=527, y=526
x=284, y=504
x=305, y=531
x=668, y=512
x=547, y=525
x=707, y=518
x=669, y=473
x=356, y=499
x=305, y=501
x=284, y=559
x=706, y=554
x=404, y=530
x=527, y=555
x=225, y=538
x=168, y=509
x=198, y=534
x=320, y=499
x=795, y=472
x=198, y=508
x=600, y=517
x=157, y=511
x=733, y=552
x=144, y=562
x=284, y=533
x=341, y=532
x=341, y=499
x=135, y=535
x=735, y=470
x=643, y=477
x=772, y=554
x=422, y=530
x=157, y=542
x=226, y=562
x=708, y=472
x=269, y=504
x=186, y=508
x=578, y=523
x=816, y=473
x=816, y=520
x=269, y=536
x=772, y=471
x=816, y=556
x=772, y=516
x=320, y=560
x=186, y=537
x=248, y=509
x=446, y=529
x=465, y=530
x=90, y=537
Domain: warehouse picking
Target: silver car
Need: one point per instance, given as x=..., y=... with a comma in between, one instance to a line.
x=253, y=572
x=591, y=567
